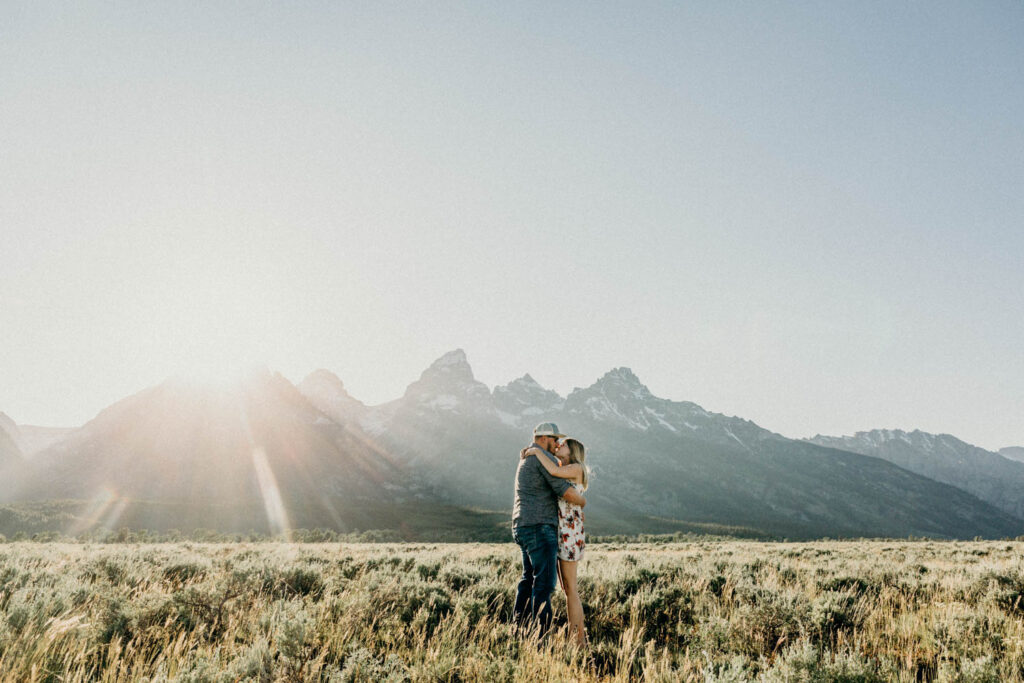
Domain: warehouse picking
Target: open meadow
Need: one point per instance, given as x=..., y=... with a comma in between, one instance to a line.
x=696, y=611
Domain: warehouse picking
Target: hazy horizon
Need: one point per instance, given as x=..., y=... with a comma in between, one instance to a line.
x=805, y=215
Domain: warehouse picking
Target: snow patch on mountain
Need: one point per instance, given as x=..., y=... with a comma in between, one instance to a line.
x=661, y=419
x=736, y=438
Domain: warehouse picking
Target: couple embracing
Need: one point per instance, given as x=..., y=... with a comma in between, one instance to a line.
x=547, y=523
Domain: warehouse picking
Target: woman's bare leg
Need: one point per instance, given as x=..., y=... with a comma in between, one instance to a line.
x=567, y=574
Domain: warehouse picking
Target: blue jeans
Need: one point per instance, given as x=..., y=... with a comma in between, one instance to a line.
x=539, y=543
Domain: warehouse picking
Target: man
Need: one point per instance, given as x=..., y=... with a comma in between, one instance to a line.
x=535, y=527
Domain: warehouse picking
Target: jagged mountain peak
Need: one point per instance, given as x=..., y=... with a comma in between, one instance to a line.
x=526, y=385
x=617, y=397
x=527, y=380
x=448, y=384
x=327, y=392
x=625, y=377
x=525, y=398
x=621, y=399
x=452, y=361
x=620, y=384
x=325, y=377
x=451, y=367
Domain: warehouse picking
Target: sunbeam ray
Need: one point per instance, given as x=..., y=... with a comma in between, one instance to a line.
x=96, y=510
x=276, y=514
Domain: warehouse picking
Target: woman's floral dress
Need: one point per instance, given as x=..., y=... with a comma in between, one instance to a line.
x=570, y=529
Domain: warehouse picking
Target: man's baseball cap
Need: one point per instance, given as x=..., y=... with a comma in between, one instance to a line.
x=547, y=429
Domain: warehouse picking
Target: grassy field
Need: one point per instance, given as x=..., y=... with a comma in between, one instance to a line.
x=700, y=611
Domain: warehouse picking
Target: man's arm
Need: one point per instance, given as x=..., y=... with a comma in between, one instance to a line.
x=570, y=471
x=571, y=495
x=557, y=485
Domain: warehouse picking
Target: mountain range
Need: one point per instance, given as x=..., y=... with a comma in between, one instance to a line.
x=269, y=455
x=994, y=477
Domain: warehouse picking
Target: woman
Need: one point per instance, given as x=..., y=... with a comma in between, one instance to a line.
x=571, y=540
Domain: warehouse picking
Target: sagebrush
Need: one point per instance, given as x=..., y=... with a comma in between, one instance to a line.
x=697, y=611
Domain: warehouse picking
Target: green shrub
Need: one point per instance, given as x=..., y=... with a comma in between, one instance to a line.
x=459, y=578
x=18, y=617
x=184, y=572
x=287, y=582
x=362, y=666
x=767, y=623
x=405, y=599
x=852, y=584
x=254, y=663
x=804, y=663
x=633, y=582
x=716, y=584
x=665, y=614
x=499, y=596
x=114, y=622
x=833, y=612
x=302, y=582
x=348, y=568
x=981, y=670
x=473, y=609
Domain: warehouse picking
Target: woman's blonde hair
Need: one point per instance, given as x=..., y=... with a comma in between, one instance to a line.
x=578, y=454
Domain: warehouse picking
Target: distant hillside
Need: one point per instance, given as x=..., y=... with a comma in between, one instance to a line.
x=256, y=456
x=1013, y=453
x=29, y=439
x=990, y=476
x=13, y=466
x=10, y=453
x=35, y=439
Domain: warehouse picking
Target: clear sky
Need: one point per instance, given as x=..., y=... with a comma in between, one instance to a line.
x=805, y=214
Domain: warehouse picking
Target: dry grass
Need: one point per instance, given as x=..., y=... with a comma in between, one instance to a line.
x=723, y=611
